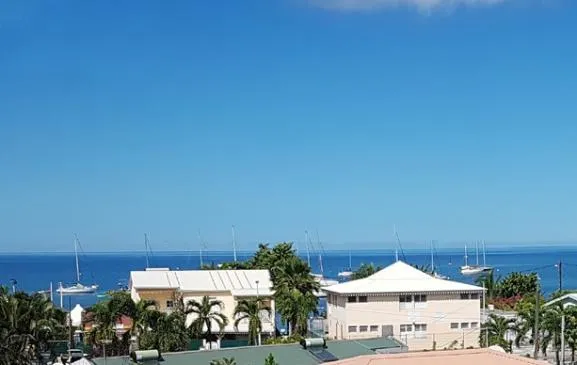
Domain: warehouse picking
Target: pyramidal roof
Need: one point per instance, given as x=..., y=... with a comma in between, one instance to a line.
x=400, y=278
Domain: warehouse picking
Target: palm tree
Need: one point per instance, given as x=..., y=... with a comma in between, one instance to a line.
x=294, y=293
x=250, y=310
x=496, y=329
x=491, y=284
x=552, y=327
x=224, y=361
x=205, y=313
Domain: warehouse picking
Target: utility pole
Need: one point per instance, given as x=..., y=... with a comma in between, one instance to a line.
x=536, y=329
x=563, y=338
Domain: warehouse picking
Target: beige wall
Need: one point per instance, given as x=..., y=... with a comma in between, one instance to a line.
x=160, y=296
x=437, y=313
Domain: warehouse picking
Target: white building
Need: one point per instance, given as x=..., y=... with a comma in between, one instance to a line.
x=165, y=287
x=422, y=311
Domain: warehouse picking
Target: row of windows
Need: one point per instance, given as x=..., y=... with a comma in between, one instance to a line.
x=464, y=325
x=417, y=327
x=372, y=328
x=359, y=299
x=469, y=296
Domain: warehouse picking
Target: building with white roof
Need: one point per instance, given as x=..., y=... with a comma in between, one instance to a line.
x=166, y=286
x=419, y=309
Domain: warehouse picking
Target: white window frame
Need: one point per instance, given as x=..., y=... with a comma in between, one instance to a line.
x=374, y=328
x=456, y=327
x=420, y=330
x=363, y=328
x=406, y=301
x=474, y=325
x=352, y=329
x=464, y=325
x=421, y=302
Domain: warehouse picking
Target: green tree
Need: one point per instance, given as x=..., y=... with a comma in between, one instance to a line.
x=364, y=271
x=206, y=313
x=270, y=360
x=27, y=323
x=491, y=284
x=224, y=361
x=518, y=284
x=495, y=331
x=250, y=310
x=167, y=332
x=552, y=329
x=295, y=290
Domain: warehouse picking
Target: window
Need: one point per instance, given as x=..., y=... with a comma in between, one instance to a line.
x=474, y=324
x=465, y=325
x=420, y=327
x=454, y=326
x=169, y=304
x=420, y=298
x=464, y=296
x=475, y=296
x=406, y=328
x=352, y=299
x=363, y=328
x=363, y=299
x=405, y=299
x=374, y=328
x=352, y=328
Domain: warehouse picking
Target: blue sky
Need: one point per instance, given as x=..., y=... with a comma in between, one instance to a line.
x=347, y=116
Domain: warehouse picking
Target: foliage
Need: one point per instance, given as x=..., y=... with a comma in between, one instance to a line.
x=525, y=309
x=491, y=285
x=516, y=284
x=251, y=309
x=166, y=332
x=224, y=361
x=27, y=323
x=294, y=292
x=270, y=360
x=283, y=340
x=206, y=313
x=364, y=271
x=495, y=330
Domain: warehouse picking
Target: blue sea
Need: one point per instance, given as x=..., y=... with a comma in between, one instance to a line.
x=34, y=272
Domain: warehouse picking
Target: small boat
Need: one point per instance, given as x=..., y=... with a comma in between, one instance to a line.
x=77, y=288
x=473, y=270
x=349, y=272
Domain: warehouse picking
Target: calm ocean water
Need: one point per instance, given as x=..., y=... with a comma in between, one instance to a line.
x=34, y=272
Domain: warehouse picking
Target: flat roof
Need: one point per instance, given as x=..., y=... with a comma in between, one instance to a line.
x=449, y=357
x=291, y=354
x=400, y=278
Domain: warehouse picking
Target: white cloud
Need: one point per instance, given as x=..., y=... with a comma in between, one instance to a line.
x=422, y=5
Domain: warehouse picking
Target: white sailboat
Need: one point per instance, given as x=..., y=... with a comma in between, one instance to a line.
x=349, y=272
x=435, y=273
x=77, y=288
x=471, y=270
x=320, y=277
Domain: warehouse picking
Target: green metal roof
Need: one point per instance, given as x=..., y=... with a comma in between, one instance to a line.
x=292, y=354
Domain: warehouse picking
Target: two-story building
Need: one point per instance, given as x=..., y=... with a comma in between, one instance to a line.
x=401, y=301
x=166, y=287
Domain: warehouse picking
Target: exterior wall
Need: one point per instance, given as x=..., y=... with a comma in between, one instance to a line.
x=229, y=305
x=437, y=313
x=160, y=296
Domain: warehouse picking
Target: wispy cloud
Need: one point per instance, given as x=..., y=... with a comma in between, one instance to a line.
x=422, y=5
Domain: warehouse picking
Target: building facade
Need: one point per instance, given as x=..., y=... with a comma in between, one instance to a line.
x=400, y=301
x=167, y=287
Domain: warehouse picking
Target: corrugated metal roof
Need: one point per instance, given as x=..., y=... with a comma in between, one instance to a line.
x=243, y=282
x=400, y=278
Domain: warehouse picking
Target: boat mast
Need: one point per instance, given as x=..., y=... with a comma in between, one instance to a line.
x=432, y=258
x=146, y=250
x=466, y=258
x=233, y=243
x=484, y=258
x=200, y=249
x=477, y=251
x=76, y=256
x=320, y=253
x=308, y=249
x=350, y=261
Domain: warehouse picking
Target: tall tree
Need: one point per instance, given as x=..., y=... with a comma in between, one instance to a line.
x=518, y=284
x=167, y=332
x=206, y=313
x=295, y=289
x=491, y=284
x=496, y=329
x=250, y=310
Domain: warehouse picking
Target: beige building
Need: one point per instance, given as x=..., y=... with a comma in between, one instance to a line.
x=166, y=286
x=420, y=310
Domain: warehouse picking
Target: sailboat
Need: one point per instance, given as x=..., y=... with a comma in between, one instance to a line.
x=433, y=271
x=320, y=277
x=470, y=270
x=349, y=272
x=77, y=288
